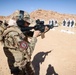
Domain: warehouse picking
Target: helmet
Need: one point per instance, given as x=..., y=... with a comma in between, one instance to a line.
x=26, y=15
x=27, y=18
x=21, y=15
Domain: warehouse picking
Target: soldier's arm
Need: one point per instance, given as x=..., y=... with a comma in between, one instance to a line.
x=33, y=41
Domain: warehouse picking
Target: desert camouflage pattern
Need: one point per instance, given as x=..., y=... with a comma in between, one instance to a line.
x=2, y=28
x=17, y=56
x=26, y=15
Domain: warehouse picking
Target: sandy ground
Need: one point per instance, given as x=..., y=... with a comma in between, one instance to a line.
x=53, y=55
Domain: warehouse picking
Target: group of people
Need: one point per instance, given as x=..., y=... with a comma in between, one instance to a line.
x=53, y=22
x=68, y=23
x=17, y=47
x=68, y=26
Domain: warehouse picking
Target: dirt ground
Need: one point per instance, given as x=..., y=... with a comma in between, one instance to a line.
x=53, y=55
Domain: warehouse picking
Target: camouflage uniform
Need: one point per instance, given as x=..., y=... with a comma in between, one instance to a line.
x=19, y=59
x=2, y=28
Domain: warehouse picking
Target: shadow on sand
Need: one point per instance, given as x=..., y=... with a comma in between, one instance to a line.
x=50, y=70
x=39, y=59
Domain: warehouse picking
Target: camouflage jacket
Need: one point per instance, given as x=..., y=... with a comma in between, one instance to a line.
x=13, y=38
x=2, y=28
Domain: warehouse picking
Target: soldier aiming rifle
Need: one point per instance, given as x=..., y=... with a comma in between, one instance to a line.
x=24, y=25
x=17, y=47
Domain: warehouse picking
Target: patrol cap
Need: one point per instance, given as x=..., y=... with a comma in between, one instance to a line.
x=27, y=18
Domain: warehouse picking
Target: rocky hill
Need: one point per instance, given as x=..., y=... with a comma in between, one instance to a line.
x=47, y=15
x=44, y=15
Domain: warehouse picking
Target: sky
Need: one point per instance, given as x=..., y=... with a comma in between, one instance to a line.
x=7, y=7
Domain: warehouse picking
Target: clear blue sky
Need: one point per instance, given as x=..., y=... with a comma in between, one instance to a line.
x=62, y=6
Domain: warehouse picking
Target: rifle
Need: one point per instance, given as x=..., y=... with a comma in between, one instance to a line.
x=39, y=25
x=46, y=53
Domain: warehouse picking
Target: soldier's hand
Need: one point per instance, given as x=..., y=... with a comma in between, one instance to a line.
x=36, y=33
x=46, y=29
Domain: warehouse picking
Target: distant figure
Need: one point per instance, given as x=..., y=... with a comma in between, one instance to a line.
x=56, y=23
x=50, y=23
x=53, y=22
x=72, y=23
x=64, y=22
x=68, y=23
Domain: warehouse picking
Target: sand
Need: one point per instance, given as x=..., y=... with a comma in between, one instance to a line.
x=53, y=55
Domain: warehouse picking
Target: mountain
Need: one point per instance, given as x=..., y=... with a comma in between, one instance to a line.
x=44, y=15
x=47, y=15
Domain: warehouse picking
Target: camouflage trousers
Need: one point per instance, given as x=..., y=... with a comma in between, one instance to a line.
x=17, y=63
